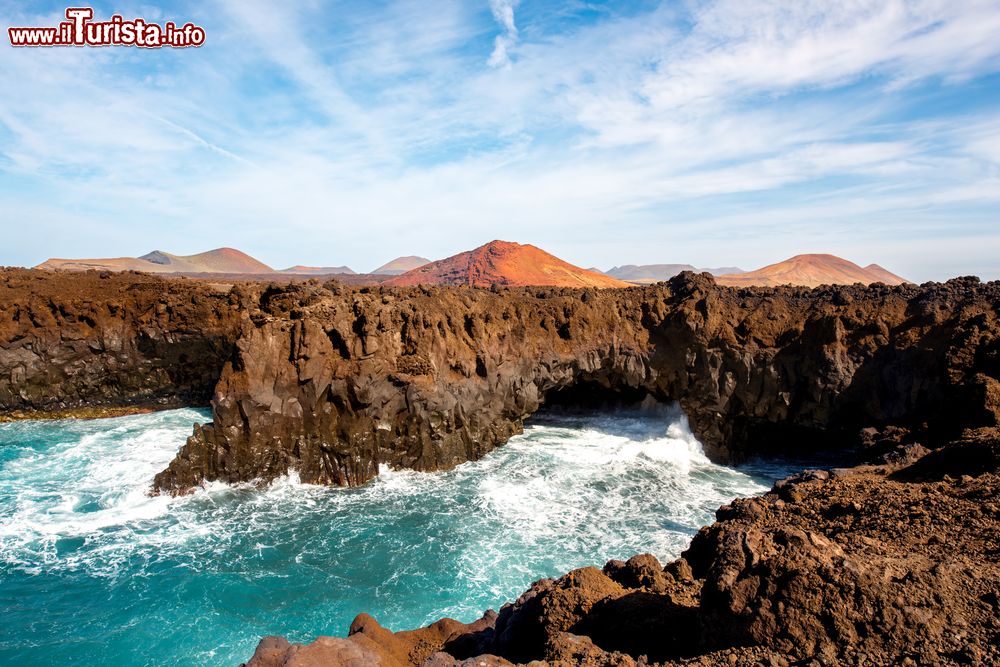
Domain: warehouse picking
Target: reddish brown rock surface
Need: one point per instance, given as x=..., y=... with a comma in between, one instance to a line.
x=333, y=382
x=504, y=263
x=79, y=343
x=811, y=271
x=887, y=564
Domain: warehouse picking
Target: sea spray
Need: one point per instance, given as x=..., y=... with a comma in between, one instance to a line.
x=94, y=566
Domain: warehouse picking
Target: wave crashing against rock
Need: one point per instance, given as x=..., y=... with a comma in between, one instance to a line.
x=881, y=564
x=890, y=563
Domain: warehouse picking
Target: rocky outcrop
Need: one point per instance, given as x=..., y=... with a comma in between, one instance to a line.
x=80, y=343
x=886, y=564
x=332, y=383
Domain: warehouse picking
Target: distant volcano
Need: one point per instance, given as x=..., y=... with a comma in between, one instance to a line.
x=401, y=265
x=505, y=263
x=220, y=260
x=811, y=271
x=652, y=273
x=319, y=270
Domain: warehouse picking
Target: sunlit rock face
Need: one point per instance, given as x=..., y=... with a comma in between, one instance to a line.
x=333, y=383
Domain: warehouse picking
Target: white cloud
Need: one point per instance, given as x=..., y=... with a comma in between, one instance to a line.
x=503, y=13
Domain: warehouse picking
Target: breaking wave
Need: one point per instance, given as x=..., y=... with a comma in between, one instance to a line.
x=199, y=579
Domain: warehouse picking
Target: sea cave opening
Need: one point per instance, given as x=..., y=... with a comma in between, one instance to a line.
x=618, y=409
x=592, y=395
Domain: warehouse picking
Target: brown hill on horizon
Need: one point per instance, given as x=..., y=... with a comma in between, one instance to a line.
x=886, y=276
x=811, y=270
x=220, y=260
x=401, y=265
x=647, y=274
x=504, y=263
x=298, y=269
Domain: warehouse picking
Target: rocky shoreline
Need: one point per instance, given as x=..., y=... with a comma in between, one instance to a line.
x=891, y=563
x=80, y=344
x=332, y=382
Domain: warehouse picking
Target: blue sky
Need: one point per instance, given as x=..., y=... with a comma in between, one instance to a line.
x=328, y=133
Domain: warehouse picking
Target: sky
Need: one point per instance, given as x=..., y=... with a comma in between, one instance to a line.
x=730, y=132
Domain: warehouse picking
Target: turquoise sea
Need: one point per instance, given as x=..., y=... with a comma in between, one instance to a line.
x=95, y=571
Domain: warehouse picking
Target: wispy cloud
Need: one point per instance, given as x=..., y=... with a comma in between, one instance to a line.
x=503, y=12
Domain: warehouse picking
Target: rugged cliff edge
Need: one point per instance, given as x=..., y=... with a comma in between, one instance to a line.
x=896, y=563
x=331, y=382
x=890, y=563
x=75, y=344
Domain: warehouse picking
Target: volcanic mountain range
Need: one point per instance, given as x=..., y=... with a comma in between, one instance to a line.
x=497, y=263
x=221, y=260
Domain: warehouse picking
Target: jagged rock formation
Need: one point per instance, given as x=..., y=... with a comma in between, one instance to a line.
x=71, y=344
x=887, y=564
x=332, y=383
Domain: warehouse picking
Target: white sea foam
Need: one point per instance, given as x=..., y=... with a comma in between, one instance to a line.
x=572, y=489
x=228, y=564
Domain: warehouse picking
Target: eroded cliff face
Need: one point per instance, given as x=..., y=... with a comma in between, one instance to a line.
x=331, y=382
x=78, y=343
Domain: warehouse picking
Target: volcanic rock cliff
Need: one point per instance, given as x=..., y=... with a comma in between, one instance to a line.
x=78, y=343
x=331, y=382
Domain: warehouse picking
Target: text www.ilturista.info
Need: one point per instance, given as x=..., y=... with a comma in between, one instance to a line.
x=80, y=30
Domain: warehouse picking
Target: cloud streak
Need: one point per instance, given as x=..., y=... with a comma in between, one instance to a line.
x=503, y=13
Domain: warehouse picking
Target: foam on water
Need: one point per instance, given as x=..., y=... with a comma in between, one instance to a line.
x=91, y=565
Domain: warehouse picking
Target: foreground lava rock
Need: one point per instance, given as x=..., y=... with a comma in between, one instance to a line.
x=896, y=563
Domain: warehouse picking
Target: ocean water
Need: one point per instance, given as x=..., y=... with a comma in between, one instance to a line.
x=95, y=571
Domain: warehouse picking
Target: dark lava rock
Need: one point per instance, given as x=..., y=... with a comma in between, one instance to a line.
x=872, y=566
x=332, y=386
x=333, y=381
x=72, y=343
